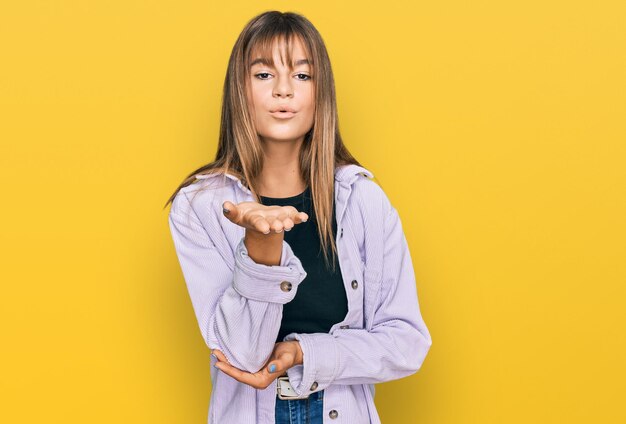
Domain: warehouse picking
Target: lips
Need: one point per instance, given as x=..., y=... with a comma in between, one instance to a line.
x=283, y=109
x=282, y=115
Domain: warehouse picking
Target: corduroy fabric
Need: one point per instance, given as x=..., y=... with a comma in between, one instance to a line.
x=238, y=303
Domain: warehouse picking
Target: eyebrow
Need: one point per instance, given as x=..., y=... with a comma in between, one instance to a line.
x=266, y=62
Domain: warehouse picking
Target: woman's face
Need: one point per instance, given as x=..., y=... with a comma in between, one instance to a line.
x=275, y=89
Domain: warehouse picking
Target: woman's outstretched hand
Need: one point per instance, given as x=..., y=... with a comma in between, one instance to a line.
x=284, y=356
x=257, y=217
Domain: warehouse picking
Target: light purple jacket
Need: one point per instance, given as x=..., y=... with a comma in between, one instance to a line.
x=238, y=303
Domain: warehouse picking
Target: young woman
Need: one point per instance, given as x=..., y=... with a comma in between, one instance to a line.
x=295, y=260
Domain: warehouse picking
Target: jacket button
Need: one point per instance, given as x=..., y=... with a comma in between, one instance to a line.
x=314, y=386
x=344, y=326
x=355, y=284
x=341, y=233
x=285, y=286
x=333, y=414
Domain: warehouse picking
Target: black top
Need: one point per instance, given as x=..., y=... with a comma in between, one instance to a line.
x=320, y=301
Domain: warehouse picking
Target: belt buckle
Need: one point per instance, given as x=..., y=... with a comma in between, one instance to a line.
x=285, y=390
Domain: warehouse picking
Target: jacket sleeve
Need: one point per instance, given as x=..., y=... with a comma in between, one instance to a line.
x=397, y=343
x=238, y=310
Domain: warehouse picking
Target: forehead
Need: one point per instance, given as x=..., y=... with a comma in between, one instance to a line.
x=290, y=51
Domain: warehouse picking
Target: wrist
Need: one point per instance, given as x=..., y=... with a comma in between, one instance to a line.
x=264, y=248
x=299, y=355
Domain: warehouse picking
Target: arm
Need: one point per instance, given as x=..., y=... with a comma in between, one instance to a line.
x=395, y=347
x=238, y=310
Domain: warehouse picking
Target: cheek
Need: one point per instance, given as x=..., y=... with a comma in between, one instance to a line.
x=310, y=101
x=256, y=98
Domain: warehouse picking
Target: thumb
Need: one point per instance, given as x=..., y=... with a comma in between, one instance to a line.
x=281, y=363
x=230, y=210
x=274, y=366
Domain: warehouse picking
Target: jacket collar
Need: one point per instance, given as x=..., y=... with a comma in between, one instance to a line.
x=349, y=173
x=345, y=175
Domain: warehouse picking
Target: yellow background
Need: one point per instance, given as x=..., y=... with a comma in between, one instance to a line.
x=496, y=128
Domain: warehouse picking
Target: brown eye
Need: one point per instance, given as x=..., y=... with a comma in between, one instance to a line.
x=261, y=73
x=307, y=77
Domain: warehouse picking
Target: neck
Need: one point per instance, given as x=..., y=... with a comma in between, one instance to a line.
x=280, y=176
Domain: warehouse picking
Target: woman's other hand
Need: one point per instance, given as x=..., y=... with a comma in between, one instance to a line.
x=261, y=218
x=284, y=356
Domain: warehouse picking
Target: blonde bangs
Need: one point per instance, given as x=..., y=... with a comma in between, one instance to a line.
x=263, y=46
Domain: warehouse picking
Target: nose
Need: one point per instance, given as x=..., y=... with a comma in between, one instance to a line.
x=282, y=88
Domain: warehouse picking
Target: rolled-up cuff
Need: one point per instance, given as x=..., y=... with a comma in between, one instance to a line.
x=320, y=362
x=267, y=283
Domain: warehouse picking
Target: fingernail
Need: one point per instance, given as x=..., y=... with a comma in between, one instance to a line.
x=272, y=368
x=287, y=229
x=213, y=355
x=225, y=210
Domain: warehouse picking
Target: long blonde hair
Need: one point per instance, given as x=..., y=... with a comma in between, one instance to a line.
x=239, y=150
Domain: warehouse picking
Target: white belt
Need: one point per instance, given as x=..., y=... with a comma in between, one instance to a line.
x=285, y=390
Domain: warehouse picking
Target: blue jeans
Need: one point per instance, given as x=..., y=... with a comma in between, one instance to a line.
x=301, y=411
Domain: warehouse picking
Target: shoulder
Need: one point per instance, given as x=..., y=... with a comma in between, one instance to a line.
x=202, y=199
x=371, y=195
x=362, y=184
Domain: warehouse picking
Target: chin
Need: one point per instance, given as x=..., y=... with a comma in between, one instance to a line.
x=286, y=136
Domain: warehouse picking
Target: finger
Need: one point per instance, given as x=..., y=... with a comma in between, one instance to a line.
x=282, y=363
x=220, y=356
x=260, y=224
x=234, y=372
x=257, y=380
x=291, y=213
x=299, y=217
x=289, y=210
x=230, y=211
x=294, y=215
x=277, y=226
x=274, y=367
x=288, y=224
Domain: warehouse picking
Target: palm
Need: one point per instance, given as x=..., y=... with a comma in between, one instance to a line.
x=283, y=357
x=263, y=218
